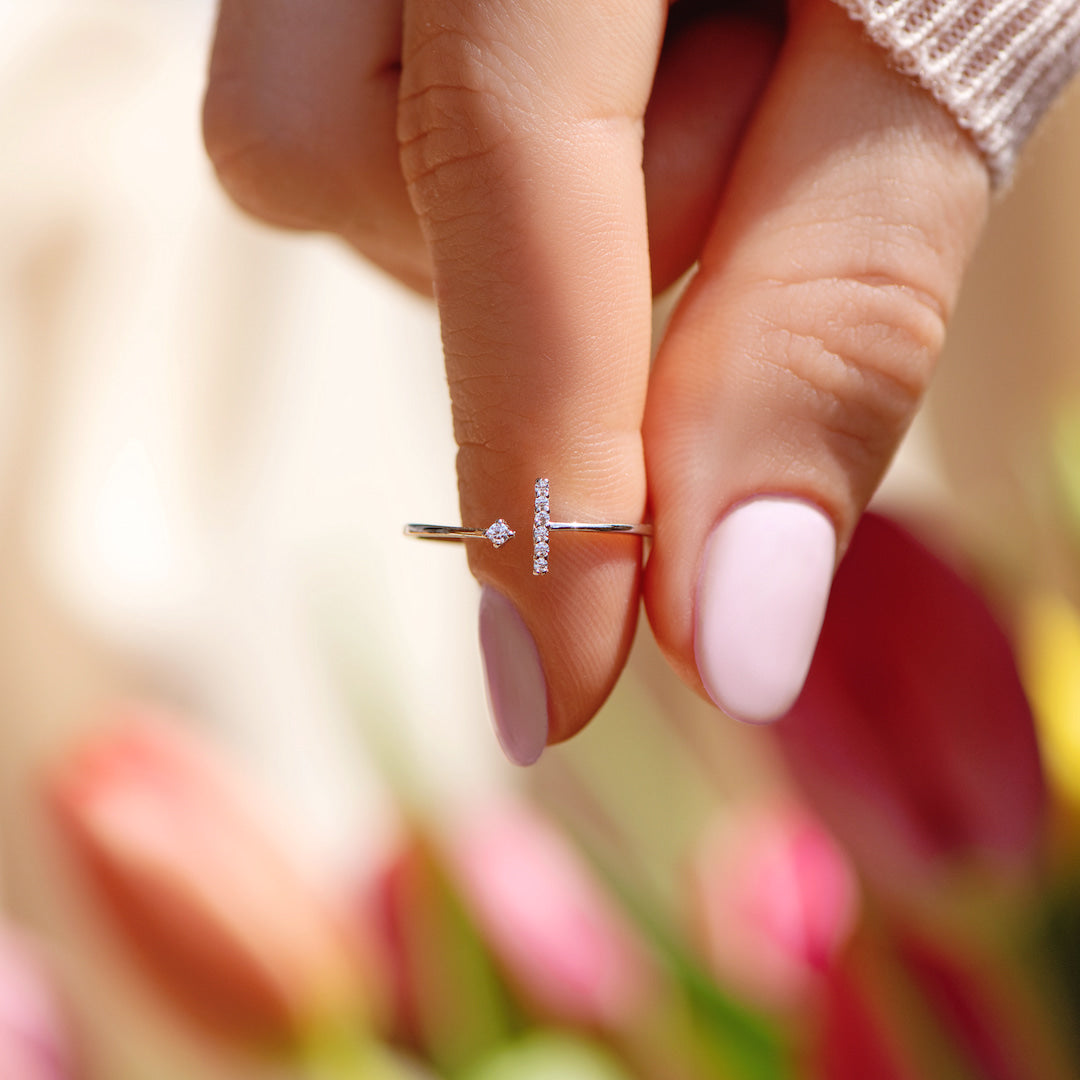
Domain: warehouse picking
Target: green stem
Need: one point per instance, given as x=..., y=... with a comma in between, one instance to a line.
x=345, y=1053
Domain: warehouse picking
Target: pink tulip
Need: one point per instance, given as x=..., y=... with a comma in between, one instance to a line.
x=214, y=910
x=913, y=738
x=776, y=901
x=554, y=931
x=33, y=1039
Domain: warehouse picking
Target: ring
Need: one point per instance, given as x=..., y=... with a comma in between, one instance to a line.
x=499, y=532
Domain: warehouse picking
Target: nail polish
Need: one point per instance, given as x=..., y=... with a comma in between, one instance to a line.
x=761, y=598
x=517, y=692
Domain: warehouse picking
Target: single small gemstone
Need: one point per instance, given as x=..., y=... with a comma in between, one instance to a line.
x=498, y=533
x=540, y=566
x=541, y=548
x=541, y=521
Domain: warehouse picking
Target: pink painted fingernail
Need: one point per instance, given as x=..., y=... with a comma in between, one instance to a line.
x=517, y=692
x=761, y=600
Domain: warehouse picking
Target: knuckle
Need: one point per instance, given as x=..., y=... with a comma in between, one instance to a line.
x=463, y=98
x=271, y=163
x=448, y=143
x=863, y=348
x=484, y=86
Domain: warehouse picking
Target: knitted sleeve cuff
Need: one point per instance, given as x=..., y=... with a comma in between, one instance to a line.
x=996, y=65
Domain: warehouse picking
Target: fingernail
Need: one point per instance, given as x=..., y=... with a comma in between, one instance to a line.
x=761, y=600
x=517, y=692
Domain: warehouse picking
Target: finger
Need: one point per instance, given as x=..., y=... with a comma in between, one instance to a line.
x=798, y=356
x=521, y=134
x=711, y=72
x=300, y=121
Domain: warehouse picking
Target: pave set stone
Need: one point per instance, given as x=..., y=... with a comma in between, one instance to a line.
x=541, y=522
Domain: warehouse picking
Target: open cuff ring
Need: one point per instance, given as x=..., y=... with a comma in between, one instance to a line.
x=499, y=532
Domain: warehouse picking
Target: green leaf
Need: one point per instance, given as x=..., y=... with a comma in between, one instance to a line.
x=742, y=1043
x=344, y=1053
x=549, y=1056
x=463, y=1009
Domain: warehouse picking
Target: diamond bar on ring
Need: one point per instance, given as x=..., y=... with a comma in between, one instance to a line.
x=541, y=521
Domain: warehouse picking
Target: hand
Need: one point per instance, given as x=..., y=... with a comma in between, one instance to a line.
x=535, y=159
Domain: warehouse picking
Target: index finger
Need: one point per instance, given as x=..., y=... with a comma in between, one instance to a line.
x=520, y=123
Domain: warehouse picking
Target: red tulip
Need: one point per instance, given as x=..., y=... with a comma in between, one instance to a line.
x=990, y=1018
x=913, y=738
x=33, y=1039
x=854, y=1042
x=216, y=912
x=776, y=901
x=904, y=1007
x=552, y=928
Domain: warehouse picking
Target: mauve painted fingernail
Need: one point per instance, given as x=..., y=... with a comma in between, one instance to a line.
x=517, y=692
x=761, y=600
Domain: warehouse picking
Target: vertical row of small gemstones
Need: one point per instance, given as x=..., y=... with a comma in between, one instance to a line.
x=541, y=520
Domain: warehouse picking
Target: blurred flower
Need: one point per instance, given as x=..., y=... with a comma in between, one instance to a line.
x=446, y=1000
x=1050, y=655
x=554, y=931
x=214, y=910
x=854, y=1041
x=985, y=1013
x=33, y=1042
x=776, y=900
x=904, y=1006
x=913, y=737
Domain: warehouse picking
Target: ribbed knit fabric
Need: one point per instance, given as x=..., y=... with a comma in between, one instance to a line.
x=996, y=65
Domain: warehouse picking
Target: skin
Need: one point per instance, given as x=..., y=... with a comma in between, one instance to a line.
x=548, y=165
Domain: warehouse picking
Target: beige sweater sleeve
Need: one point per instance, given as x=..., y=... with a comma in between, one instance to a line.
x=996, y=65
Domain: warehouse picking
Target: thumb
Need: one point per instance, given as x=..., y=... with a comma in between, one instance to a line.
x=798, y=356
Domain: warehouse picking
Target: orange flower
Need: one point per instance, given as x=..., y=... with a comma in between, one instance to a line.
x=215, y=911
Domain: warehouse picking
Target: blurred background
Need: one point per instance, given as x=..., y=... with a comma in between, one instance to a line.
x=210, y=435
